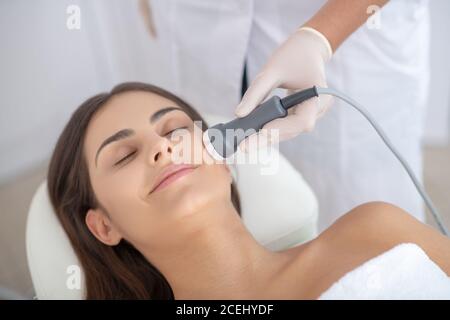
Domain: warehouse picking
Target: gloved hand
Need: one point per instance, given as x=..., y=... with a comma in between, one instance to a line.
x=297, y=64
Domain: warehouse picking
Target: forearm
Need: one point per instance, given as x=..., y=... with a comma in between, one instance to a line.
x=338, y=19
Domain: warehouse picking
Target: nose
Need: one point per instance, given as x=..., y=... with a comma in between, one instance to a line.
x=161, y=151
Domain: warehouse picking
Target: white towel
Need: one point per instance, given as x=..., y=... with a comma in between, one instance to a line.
x=403, y=272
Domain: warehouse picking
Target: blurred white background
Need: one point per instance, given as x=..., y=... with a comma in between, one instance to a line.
x=47, y=70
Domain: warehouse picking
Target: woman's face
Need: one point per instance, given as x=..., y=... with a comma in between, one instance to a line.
x=125, y=170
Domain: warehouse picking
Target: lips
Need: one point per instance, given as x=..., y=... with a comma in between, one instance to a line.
x=170, y=174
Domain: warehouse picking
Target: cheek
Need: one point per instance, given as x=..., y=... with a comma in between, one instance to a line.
x=198, y=149
x=121, y=196
x=140, y=223
x=189, y=148
x=118, y=191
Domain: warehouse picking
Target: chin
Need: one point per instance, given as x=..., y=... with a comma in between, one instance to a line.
x=205, y=185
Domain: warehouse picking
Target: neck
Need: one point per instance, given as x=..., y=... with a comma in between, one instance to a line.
x=221, y=260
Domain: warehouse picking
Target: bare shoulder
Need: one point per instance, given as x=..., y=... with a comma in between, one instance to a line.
x=361, y=234
x=375, y=227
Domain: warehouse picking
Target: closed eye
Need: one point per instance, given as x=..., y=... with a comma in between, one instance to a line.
x=125, y=158
x=132, y=153
x=172, y=131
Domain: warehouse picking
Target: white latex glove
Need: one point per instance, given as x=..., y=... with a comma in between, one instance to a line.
x=297, y=64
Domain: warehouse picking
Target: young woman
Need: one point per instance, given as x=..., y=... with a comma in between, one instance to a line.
x=146, y=228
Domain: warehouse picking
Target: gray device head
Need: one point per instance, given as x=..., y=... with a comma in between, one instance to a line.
x=223, y=139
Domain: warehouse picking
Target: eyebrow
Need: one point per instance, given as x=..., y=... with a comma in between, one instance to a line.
x=125, y=133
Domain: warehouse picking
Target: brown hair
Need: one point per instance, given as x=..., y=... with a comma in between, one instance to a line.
x=111, y=272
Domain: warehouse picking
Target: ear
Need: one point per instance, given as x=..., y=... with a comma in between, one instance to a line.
x=102, y=227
